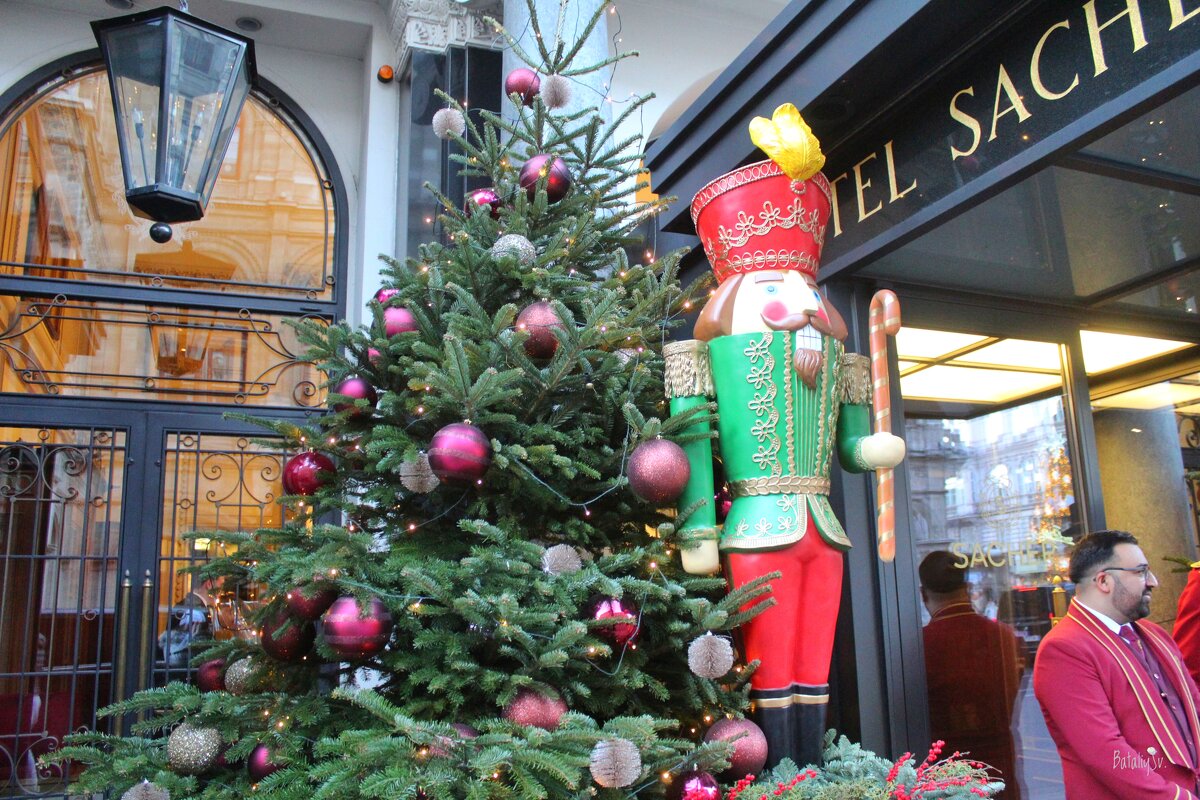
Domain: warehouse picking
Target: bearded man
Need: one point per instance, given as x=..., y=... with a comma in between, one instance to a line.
x=1113, y=687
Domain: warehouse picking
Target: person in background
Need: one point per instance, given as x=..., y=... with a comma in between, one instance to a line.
x=973, y=670
x=1187, y=623
x=1118, y=701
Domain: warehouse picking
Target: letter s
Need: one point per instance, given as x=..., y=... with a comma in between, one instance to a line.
x=967, y=121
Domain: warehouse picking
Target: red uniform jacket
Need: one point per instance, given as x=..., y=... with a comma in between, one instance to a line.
x=1187, y=624
x=1115, y=735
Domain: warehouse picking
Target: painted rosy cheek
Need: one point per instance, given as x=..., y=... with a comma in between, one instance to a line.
x=774, y=310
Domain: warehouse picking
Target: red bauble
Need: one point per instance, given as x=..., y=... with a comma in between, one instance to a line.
x=523, y=81
x=291, y=644
x=460, y=453
x=531, y=707
x=614, y=607
x=210, y=676
x=540, y=320
x=749, y=751
x=383, y=295
x=694, y=785
x=355, y=388
x=483, y=198
x=352, y=634
x=398, y=320
x=658, y=471
x=558, y=176
x=305, y=472
x=259, y=764
x=310, y=601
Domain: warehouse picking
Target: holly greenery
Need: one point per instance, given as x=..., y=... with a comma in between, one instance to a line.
x=477, y=618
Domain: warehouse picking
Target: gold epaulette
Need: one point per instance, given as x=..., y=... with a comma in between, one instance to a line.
x=854, y=379
x=688, y=371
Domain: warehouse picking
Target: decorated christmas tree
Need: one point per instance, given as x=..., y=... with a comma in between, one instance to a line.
x=477, y=592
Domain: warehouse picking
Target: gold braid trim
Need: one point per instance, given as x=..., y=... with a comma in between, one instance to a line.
x=854, y=379
x=780, y=484
x=688, y=371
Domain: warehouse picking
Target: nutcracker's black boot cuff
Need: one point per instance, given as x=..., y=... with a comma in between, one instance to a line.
x=772, y=712
x=808, y=722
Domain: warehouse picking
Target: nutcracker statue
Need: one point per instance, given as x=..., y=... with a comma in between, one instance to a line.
x=770, y=349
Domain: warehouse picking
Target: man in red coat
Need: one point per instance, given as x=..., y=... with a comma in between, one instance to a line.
x=973, y=670
x=1187, y=623
x=1117, y=698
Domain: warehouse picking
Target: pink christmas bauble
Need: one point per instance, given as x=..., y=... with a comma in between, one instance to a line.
x=616, y=608
x=558, y=176
x=310, y=601
x=444, y=744
x=658, y=471
x=259, y=764
x=305, y=472
x=523, y=81
x=374, y=354
x=210, y=676
x=483, y=198
x=749, y=751
x=724, y=501
x=531, y=707
x=397, y=321
x=694, y=785
x=352, y=634
x=383, y=295
x=460, y=453
x=355, y=388
x=286, y=644
x=540, y=320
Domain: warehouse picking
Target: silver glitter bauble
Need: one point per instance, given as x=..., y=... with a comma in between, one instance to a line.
x=615, y=763
x=240, y=676
x=514, y=245
x=556, y=91
x=710, y=656
x=561, y=559
x=146, y=791
x=447, y=122
x=417, y=476
x=192, y=750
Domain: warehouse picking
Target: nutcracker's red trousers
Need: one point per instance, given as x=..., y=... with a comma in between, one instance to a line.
x=794, y=638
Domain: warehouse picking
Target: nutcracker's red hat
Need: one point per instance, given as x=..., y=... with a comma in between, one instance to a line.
x=757, y=218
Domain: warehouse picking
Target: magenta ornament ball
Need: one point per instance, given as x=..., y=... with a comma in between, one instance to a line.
x=353, y=634
x=210, y=676
x=259, y=764
x=695, y=785
x=483, y=198
x=383, y=295
x=525, y=82
x=398, y=320
x=305, y=472
x=286, y=644
x=620, y=633
x=374, y=354
x=658, y=471
x=460, y=453
x=310, y=601
x=540, y=320
x=356, y=388
x=558, y=176
x=531, y=707
x=749, y=751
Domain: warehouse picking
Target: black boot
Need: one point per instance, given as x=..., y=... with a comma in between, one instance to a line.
x=772, y=712
x=808, y=724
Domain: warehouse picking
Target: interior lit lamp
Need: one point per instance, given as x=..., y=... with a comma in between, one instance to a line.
x=178, y=85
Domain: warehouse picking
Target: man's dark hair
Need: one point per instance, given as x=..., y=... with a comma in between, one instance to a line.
x=1095, y=550
x=939, y=572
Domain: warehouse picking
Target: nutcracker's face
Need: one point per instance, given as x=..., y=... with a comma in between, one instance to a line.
x=768, y=300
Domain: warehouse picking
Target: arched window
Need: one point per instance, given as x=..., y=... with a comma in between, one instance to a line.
x=90, y=305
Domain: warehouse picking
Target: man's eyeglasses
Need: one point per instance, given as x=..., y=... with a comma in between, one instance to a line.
x=1142, y=572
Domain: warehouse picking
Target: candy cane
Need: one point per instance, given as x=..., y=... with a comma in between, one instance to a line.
x=884, y=320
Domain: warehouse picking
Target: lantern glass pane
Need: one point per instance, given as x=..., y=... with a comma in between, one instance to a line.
x=240, y=91
x=201, y=67
x=136, y=55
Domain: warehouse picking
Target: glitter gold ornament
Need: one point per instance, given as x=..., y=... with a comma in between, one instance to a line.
x=417, y=476
x=710, y=656
x=240, y=676
x=615, y=763
x=191, y=749
x=561, y=559
x=514, y=245
x=146, y=791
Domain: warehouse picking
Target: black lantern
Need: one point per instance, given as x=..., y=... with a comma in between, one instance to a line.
x=178, y=86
